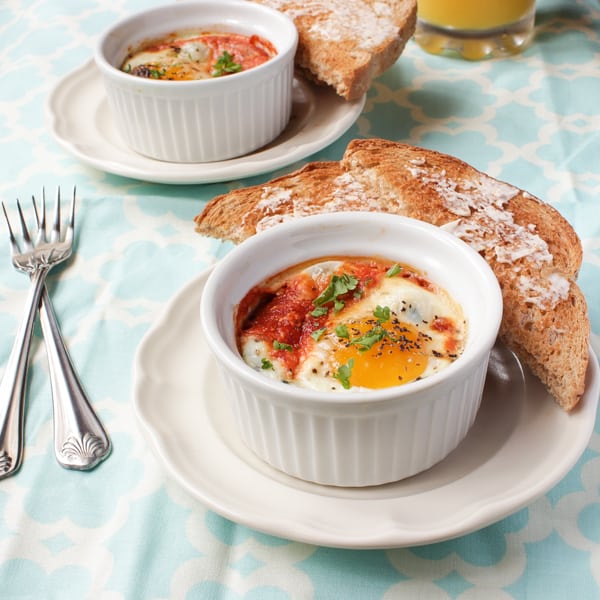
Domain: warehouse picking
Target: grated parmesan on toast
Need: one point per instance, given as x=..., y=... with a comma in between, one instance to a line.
x=532, y=249
x=347, y=44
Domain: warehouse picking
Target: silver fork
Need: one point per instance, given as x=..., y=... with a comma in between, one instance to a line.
x=80, y=440
x=36, y=261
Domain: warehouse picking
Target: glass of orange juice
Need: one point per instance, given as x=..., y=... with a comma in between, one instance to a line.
x=475, y=29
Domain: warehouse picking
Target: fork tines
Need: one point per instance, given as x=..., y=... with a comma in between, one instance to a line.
x=40, y=219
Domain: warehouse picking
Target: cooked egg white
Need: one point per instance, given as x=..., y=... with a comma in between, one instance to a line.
x=197, y=55
x=412, y=349
x=256, y=353
x=396, y=333
x=190, y=60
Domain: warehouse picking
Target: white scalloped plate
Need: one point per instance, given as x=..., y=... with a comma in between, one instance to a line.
x=520, y=446
x=80, y=119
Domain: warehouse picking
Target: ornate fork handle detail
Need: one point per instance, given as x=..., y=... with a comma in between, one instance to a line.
x=12, y=386
x=80, y=441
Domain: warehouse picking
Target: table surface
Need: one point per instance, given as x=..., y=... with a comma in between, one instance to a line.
x=127, y=529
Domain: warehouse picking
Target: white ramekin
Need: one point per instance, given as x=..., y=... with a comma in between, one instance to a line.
x=365, y=437
x=207, y=120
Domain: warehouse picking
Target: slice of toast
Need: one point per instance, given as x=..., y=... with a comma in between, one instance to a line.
x=531, y=248
x=317, y=187
x=347, y=44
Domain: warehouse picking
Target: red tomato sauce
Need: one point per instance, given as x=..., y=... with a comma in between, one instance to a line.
x=247, y=51
x=445, y=325
x=282, y=313
x=198, y=55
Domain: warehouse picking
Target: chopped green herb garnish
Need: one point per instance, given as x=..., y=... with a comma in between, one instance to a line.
x=316, y=335
x=393, y=270
x=382, y=313
x=281, y=346
x=338, y=286
x=319, y=311
x=157, y=73
x=225, y=65
x=149, y=71
x=368, y=340
x=266, y=364
x=344, y=373
x=342, y=331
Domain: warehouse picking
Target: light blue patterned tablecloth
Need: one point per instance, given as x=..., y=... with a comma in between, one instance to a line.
x=125, y=530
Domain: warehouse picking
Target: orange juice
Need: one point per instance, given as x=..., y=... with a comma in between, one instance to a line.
x=475, y=29
x=473, y=14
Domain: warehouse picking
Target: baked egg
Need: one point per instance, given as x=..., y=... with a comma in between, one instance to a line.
x=349, y=323
x=198, y=55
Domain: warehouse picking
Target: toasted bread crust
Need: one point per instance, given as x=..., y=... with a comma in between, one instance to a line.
x=532, y=249
x=347, y=44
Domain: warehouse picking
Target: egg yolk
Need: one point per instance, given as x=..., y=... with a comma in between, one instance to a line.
x=384, y=354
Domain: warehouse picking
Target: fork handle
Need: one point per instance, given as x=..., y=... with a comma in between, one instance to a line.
x=12, y=386
x=80, y=441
